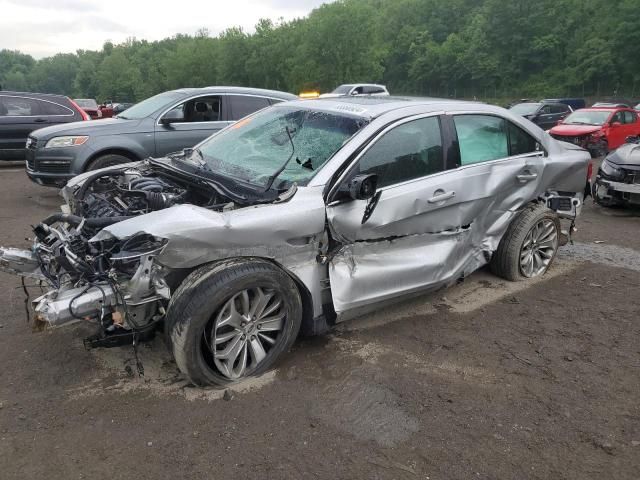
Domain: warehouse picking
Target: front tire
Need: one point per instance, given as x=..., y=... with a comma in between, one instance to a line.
x=233, y=320
x=529, y=245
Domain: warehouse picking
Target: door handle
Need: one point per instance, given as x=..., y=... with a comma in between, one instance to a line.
x=526, y=177
x=40, y=120
x=441, y=196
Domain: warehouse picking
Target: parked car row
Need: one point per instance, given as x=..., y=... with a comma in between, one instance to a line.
x=599, y=129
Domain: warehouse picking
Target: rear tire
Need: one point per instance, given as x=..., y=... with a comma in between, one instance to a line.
x=232, y=320
x=108, y=160
x=529, y=245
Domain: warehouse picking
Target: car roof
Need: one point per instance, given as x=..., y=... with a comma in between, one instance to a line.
x=603, y=109
x=375, y=106
x=239, y=90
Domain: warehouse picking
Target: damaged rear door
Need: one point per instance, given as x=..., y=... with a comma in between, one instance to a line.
x=441, y=206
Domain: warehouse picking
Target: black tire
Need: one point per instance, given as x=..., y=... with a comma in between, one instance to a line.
x=200, y=298
x=108, y=160
x=505, y=262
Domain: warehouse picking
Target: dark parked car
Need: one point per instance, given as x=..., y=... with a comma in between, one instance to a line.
x=121, y=107
x=21, y=113
x=545, y=115
x=574, y=103
x=165, y=123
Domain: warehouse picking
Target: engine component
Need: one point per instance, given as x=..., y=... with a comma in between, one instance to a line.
x=58, y=307
x=20, y=262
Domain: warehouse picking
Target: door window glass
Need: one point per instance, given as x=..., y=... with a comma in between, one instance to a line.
x=545, y=110
x=201, y=109
x=411, y=150
x=520, y=142
x=243, y=105
x=16, y=106
x=50, y=108
x=629, y=117
x=618, y=117
x=481, y=138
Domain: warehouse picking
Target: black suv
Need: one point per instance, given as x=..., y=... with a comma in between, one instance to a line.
x=21, y=113
x=165, y=123
x=545, y=115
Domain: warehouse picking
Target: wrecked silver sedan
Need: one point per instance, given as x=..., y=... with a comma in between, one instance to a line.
x=299, y=216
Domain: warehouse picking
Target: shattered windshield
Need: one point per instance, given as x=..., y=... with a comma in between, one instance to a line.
x=255, y=148
x=587, y=117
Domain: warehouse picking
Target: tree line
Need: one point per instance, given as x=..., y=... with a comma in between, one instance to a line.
x=453, y=48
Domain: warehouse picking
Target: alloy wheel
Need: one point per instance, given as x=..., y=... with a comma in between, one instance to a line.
x=539, y=247
x=245, y=329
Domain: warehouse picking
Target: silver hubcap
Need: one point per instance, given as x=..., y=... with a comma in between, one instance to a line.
x=538, y=248
x=246, y=328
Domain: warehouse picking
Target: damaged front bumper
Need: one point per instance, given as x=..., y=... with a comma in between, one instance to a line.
x=613, y=191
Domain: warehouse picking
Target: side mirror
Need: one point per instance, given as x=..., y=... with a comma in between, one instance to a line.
x=172, y=116
x=616, y=124
x=363, y=187
x=354, y=92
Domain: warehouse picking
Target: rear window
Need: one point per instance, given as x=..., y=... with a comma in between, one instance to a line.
x=243, y=105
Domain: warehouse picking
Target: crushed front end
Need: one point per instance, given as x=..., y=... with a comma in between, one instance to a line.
x=95, y=277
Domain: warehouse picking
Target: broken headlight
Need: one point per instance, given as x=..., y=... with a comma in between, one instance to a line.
x=611, y=170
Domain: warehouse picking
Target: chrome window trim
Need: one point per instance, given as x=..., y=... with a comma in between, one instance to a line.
x=40, y=100
x=342, y=177
x=211, y=94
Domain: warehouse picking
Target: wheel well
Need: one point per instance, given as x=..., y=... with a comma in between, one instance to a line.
x=112, y=151
x=177, y=276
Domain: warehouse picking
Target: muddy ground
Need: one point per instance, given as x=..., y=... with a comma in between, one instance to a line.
x=489, y=380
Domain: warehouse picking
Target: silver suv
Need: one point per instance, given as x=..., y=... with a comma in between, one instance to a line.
x=304, y=214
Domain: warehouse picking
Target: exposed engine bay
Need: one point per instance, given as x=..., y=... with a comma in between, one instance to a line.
x=112, y=282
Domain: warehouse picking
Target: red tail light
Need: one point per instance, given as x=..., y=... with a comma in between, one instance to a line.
x=589, y=171
x=81, y=111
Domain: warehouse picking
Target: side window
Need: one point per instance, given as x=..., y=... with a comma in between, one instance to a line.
x=358, y=90
x=520, y=142
x=50, y=108
x=201, y=109
x=481, y=138
x=545, y=110
x=411, y=150
x=558, y=109
x=373, y=89
x=629, y=117
x=17, y=107
x=243, y=105
x=617, y=118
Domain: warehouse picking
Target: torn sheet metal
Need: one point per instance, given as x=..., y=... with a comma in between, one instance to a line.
x=412, y=242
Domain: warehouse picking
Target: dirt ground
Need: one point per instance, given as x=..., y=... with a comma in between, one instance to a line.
x=488, y=380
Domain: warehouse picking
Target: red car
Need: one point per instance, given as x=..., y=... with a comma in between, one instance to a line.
x=91, y=107
x=599, y=130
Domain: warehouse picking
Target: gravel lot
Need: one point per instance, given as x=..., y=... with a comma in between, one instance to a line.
x=488, y=380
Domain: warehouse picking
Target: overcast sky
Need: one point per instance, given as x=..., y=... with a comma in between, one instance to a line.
x=46, y=27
